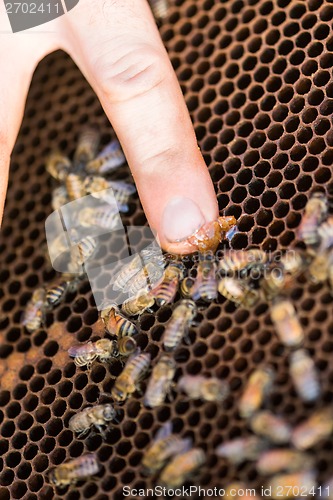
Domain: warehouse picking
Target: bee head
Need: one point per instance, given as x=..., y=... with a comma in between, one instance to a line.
x=109, y=412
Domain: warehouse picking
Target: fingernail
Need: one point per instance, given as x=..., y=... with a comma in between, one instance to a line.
x=181, y=218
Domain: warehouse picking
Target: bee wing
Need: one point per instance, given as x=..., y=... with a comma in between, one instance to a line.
x=79, y=350
x=163, y=432
x=88, y=461
x=186, y=445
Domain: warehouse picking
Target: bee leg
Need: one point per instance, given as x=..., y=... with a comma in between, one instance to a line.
x=101, y=431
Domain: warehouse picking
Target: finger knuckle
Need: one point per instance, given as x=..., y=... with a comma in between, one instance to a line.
x=132, y=73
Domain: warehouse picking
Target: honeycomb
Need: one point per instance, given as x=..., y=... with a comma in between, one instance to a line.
x=257, y=79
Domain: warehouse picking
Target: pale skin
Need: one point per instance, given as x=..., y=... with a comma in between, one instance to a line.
x=117, y=47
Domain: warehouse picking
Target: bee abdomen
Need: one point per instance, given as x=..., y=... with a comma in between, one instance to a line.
x=125, y=328
x=166, y=292
x=84, y=360
x=74, y=186
x=56, y=294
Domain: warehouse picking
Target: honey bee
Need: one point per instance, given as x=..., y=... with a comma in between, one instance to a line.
x=205, y=285
x=108, y=159
x=128, y=381
x=74, y=186
x=304, y=375
x=117, y=324
x=312, y=430
x=166, y=291
x=56, y=293
x=256, y=390
x=104, y=350
x=34, y=312
x=270, y=426
x=58, y=165
x=200, y=387
x=178, y=325
x=294, y=262
x=128, y=272
x=238, y=292
x=240, y=262
x=272, y=462
x=240, y=450
x=95, y=416
x=59, y=197
x=138, y=305
x=208, y=237
x=286, y=323
x=182, y=467
x=122, y=192
x=127, y=346
x=87, y=147
x=160, y=8
x=160, y=381
x=75, y=470
x=316, y=211
x=284, y=485
x=164, y=446
x=239, y=491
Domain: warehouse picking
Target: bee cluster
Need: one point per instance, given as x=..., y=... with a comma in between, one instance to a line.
x=244, y=277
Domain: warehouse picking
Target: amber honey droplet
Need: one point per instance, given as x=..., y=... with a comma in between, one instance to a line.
x=208, y=237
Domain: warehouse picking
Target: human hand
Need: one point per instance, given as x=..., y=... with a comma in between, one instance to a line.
x=117, y=46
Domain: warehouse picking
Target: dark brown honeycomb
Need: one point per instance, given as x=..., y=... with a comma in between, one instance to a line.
x=257, y=79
